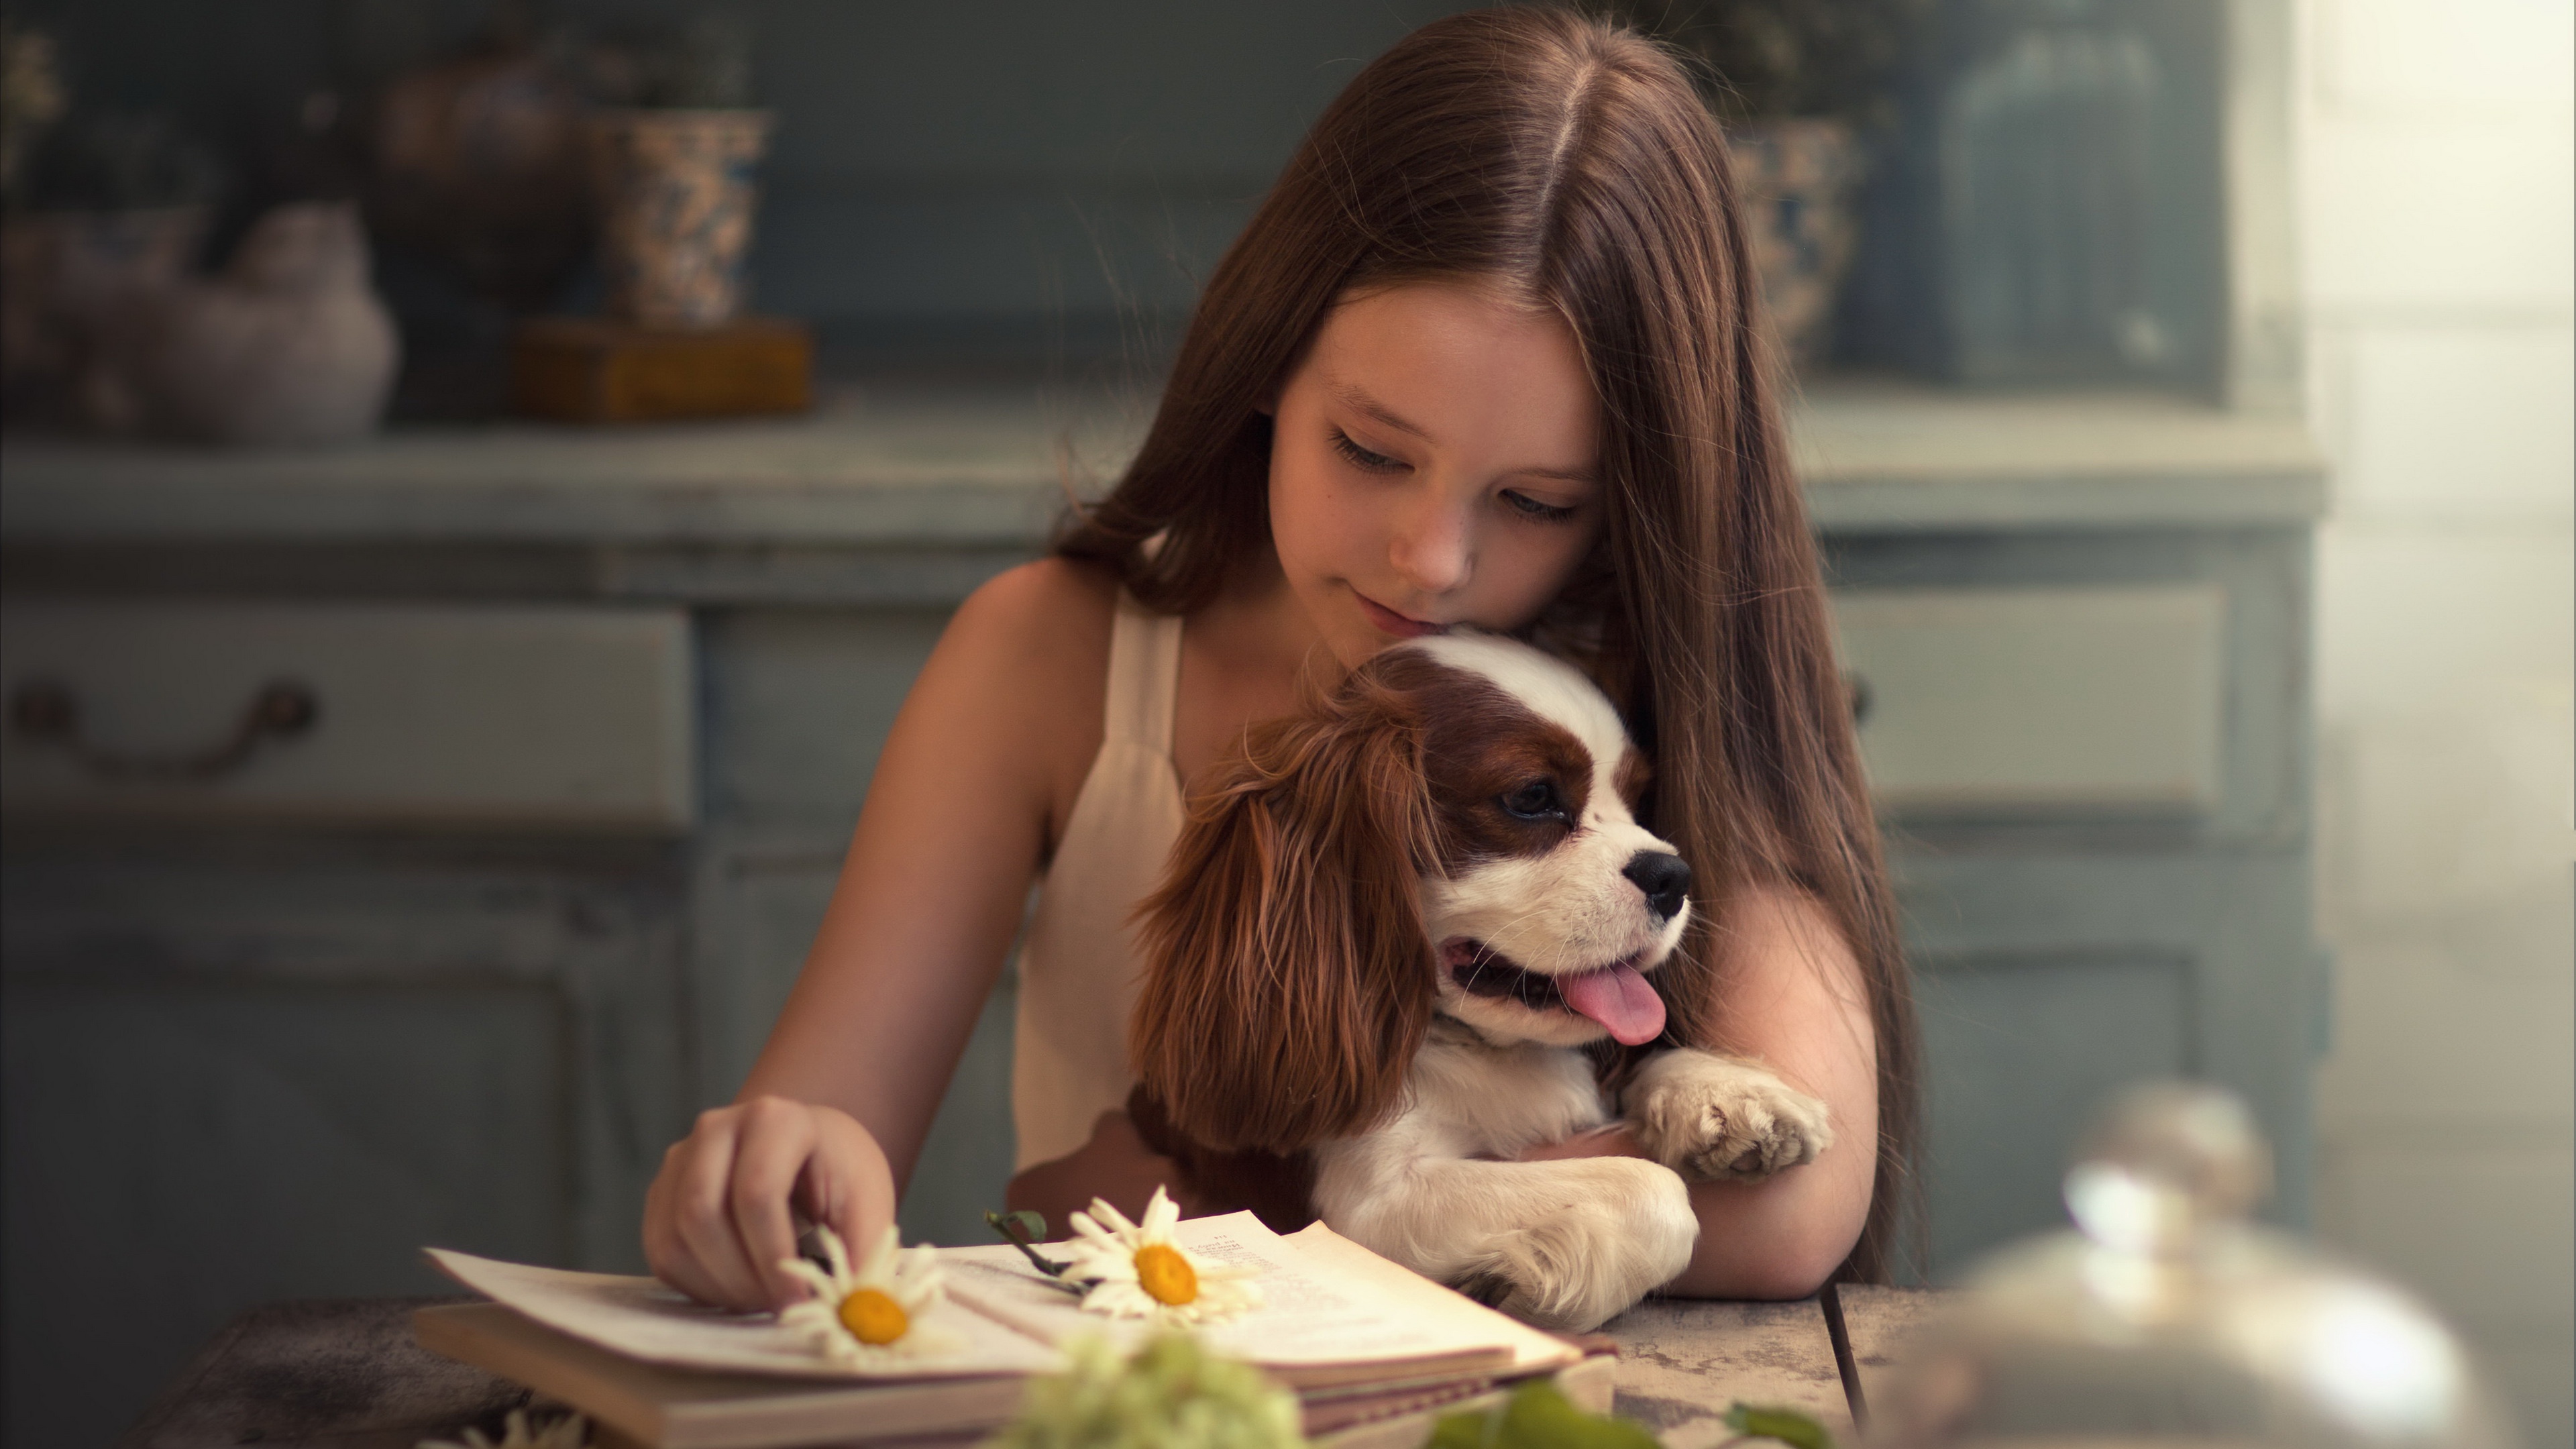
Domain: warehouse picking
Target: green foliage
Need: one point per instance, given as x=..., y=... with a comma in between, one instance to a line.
x=1538, y=1416
x=1786, y=1425
x=1173, y=1394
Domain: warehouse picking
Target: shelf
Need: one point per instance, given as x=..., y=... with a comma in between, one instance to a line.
x=881, y=467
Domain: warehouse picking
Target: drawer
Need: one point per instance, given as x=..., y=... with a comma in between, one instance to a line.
x=477, y=717
x=2039, y=699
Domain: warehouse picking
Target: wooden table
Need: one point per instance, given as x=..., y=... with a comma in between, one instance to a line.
x=345, y=1373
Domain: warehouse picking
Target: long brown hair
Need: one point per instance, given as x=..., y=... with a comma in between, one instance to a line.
x=1574, y=163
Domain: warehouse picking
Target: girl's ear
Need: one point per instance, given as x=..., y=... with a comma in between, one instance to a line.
x=1287, y=981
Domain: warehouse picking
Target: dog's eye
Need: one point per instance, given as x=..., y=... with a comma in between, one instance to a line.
x=1533, y=801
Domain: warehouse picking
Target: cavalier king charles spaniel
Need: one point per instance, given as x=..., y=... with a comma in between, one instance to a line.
x=1397, y=937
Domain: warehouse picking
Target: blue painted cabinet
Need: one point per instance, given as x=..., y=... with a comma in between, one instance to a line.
x=268, y=1034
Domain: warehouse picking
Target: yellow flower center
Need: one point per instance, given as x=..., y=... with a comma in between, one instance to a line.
x=1166, y=1275
x=873, y=1317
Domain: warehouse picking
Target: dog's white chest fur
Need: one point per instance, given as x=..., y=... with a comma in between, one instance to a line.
x=1473, y=1098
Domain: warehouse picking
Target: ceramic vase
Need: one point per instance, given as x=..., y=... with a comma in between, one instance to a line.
x=288, y=346
x=1796, y=179
x=677, y=190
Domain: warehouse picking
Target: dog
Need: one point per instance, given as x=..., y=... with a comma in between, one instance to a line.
x=1398, y=939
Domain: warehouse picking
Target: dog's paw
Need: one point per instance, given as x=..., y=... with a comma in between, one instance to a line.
x=1713, y=1118
x=1626, y=1230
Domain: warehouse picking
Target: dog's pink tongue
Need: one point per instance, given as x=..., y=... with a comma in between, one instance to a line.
x=1619, y=999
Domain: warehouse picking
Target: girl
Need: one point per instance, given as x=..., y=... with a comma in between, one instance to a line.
x=1486, y=355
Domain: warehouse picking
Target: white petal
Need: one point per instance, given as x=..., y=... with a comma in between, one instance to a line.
x=1101, y=1211
x=811, y=1319
x=1119, y=1300
x=1114, y=1263
x=889, y=1244
x=1091, y=1249
x=812, y=1277
x=1106, y=1262
x=834, y=1252
x=1160, y=1214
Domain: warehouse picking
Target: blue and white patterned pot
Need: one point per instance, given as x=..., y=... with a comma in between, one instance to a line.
x=677, y=190
x=1796, y=179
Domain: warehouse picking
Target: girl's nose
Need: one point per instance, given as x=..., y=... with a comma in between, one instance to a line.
x=1433, y=548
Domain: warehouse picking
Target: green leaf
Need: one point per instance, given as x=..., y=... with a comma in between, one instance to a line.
x=1459, y=1431
x=1023, y=1229
x=1786, y=1425
x=1538, y=1416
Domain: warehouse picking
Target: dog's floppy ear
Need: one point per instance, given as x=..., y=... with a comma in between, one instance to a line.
x=1287, y=980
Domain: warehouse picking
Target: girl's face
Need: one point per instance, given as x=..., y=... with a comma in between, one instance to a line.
x=1434, y=463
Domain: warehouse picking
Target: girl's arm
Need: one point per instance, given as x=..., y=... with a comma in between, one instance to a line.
x=1791, y=995
x=986, y=754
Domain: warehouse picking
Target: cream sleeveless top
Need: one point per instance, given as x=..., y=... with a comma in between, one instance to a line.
x=1078, y=967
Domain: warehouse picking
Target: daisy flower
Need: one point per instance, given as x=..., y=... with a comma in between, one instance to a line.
x=1136, y=1271
x=872, y=1316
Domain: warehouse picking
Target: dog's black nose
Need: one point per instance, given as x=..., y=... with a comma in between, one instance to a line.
x=1664, y=877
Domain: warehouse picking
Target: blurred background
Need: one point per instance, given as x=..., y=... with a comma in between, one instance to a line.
x=479, y=478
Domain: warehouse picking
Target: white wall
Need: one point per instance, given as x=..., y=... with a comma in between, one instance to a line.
x=2436, y=162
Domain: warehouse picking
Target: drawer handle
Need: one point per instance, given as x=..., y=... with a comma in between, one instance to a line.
x=1857, y=693
x=44, y=710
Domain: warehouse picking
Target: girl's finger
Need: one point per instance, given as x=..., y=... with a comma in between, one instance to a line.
x=776, y=1141
x=665, y=1250
x=702, y=1216
x=674, y=1264
x=664, y=1253
x=847, y=1183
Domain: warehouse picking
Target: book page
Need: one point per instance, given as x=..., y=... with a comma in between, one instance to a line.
x=1401, y=1291
x=643, y=1319
x=1344, y=1305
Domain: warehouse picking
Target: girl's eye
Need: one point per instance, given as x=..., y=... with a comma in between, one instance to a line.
x=1529, y=507
x=1533, y=801
x=1361, y=458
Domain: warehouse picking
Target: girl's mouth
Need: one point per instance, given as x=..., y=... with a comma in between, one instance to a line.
x=1388, y=621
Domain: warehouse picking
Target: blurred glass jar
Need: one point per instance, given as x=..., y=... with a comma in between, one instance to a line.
x=2166, y=1318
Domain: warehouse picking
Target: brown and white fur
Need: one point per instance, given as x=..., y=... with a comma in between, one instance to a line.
x=1393, y=936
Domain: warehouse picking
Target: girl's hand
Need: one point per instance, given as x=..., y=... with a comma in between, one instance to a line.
x=722, y=1213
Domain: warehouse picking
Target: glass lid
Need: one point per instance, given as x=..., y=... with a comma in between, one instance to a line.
x=2167, y=1317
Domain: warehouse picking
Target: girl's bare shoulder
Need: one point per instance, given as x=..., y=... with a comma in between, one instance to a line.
x=1052, y=614
x=1032, y=644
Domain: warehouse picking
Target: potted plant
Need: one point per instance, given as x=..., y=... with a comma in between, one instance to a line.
x=1794, y=85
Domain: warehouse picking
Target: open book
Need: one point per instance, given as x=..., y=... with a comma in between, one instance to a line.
x=1363, y=1341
